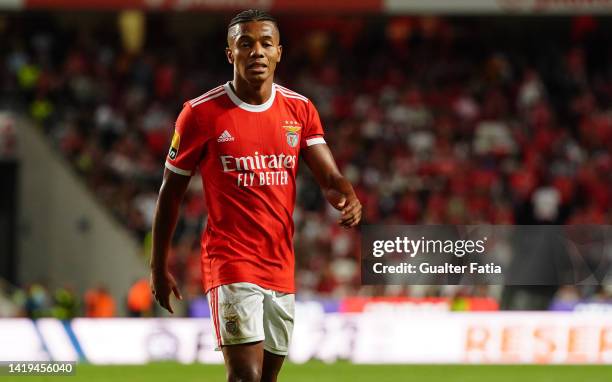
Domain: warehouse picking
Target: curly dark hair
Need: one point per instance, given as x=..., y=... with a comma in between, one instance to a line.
x=251, y=15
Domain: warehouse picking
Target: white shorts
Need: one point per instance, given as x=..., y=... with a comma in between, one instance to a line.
x=245, y=312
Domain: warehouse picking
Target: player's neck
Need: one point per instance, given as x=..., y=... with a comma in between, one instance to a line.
x=254, y=94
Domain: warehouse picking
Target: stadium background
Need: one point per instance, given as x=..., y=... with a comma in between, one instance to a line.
x=439, y=112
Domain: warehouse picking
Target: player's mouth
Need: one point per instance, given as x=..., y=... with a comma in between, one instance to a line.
x=257, y=67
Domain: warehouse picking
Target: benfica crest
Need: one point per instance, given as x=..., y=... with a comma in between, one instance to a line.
x=292, y=129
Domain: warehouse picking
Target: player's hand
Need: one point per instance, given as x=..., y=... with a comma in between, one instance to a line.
x=335, y=198
x=349, y=205
x=351, y=212
x=162, y=283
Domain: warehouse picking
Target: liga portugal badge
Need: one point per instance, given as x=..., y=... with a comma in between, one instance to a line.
x=176, y=141
x=292, y=134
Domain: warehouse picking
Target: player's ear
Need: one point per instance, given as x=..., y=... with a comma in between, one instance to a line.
x=280, y=53
x=229, y=55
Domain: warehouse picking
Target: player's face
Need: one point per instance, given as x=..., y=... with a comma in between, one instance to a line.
x=254, y=50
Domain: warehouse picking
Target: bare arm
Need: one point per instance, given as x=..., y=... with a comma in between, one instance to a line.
x=338, y=191
x=164, y=222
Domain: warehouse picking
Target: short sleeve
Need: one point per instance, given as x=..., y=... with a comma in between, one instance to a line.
x=313, y=131
x=187, y=143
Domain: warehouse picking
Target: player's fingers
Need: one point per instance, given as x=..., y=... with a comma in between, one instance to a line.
x=340, y=204
x=352, y=210
x=348, y=211
x=346, y=219
x=347, y=222
x=355, y=222
x=163, y=298
x=357, y=213
x=159, y=299
x=355, y=219
x=166, y=305
x=351, y=213
x=156, y=295
x=176, y=292
x=356, y=208
x=350, y=207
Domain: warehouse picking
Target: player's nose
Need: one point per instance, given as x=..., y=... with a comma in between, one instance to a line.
x=257, y=50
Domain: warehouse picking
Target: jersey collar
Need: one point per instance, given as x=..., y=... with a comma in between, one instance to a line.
x=247, y=106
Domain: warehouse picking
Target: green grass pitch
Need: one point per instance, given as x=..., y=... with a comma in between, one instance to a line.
x=340, y=372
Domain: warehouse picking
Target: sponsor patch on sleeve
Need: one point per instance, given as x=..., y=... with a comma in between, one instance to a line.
x=174, y=146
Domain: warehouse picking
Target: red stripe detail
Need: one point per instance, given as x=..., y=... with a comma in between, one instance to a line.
x=212, y=312
x=217, y=329
x=213, y=315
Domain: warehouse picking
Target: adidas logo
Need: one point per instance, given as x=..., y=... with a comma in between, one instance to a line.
x=225, y=137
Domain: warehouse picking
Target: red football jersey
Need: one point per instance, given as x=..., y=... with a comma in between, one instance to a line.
x=247, y=156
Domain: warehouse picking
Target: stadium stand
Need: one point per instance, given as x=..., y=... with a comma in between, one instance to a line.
x=434, y=119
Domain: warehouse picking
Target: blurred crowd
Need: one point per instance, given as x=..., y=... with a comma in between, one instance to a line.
x=434, y=120
x=37, y=300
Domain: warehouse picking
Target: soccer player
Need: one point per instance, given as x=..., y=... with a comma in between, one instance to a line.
x=244, y=137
